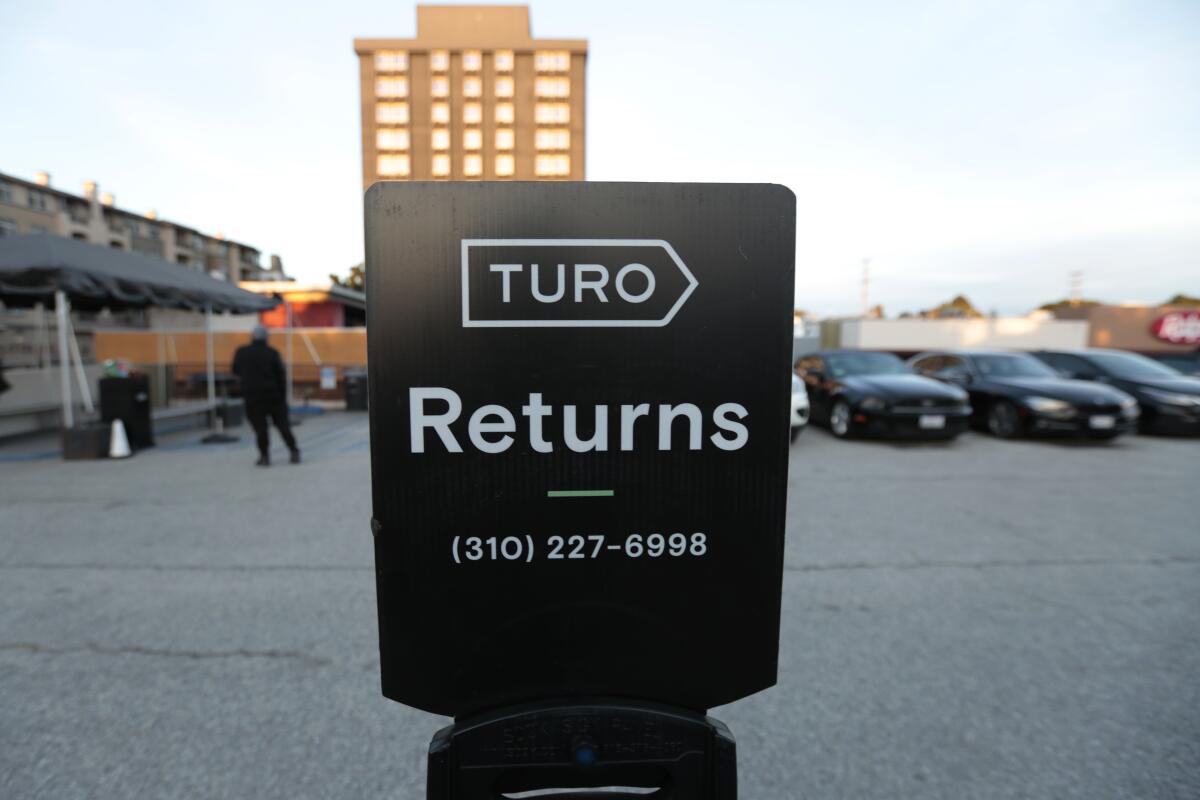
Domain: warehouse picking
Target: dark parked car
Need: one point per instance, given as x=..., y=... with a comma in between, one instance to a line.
x=1187, y=363
x=1014, y=394
x=1170, y=401
x=863, y=391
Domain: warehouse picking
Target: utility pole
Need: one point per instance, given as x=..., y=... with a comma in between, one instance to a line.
x=866, y=288
x=1075, y=286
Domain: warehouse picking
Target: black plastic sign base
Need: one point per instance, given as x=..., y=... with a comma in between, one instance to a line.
x=585, y=750
x=579, y=399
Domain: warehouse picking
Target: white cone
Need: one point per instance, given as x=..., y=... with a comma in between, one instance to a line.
x=118, y=442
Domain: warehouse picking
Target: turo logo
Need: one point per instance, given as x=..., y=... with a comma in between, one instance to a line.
x=572, y=283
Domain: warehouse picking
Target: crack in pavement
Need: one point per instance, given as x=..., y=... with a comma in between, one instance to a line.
x=102, y=567
x=97, y=649
x=996, y=564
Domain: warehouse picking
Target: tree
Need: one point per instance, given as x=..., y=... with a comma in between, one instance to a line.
x=1183, y=300
x=957, y=307
x=1068, y=303
x=356, y=279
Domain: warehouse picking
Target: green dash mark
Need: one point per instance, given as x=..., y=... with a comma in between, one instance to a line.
x=580, y=493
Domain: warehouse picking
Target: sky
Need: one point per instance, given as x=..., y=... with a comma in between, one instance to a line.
x=986, y=148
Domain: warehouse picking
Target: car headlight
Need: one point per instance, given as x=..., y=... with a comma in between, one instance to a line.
x=1129, y=407
x=1050, y=406
x=872, y=404
x=1172, y=398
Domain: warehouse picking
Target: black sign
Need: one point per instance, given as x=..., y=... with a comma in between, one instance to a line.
x=579, y=436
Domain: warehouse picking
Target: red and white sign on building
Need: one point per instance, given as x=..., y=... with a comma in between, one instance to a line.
x=1178, y=327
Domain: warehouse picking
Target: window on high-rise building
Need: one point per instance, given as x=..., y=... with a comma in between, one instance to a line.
x=472, y=86
x=505, y=165
x=391, y=139
x=391, y=113
x=439, y=60
x=552, y=113
x=439, y=113
x=472, y=139
x=472, y=165
x=552, y=166
x=440, y=86
x=472, y=113
x=391, y=61
x=391, y=87
x=552, y=139
x=552, y=61
x=502, y=60
x=505, y=114
x=504, y=87
x=440, y=139
x=393, y=166
x=504, y=139
x=441, y=165
x=552, y=87
x=472, y=60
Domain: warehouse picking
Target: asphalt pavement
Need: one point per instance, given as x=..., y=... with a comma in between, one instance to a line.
x=978, y=620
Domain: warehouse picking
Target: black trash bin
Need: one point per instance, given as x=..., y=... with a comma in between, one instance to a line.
x=128, y=399
x=356, y=389
x=86, y=440
x=231, y=412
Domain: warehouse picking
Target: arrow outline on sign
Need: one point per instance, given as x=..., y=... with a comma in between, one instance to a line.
x=467, y=322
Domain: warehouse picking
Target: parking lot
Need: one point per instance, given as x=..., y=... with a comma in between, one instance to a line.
x=977, y=619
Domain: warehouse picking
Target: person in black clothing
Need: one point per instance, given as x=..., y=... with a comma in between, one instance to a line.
x=264, y=388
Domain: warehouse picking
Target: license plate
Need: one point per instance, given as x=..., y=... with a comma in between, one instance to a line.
x=1102, y=423
x=931, y=422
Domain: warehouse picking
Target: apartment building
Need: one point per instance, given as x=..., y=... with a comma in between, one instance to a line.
x=473, y=97
x=37, y=207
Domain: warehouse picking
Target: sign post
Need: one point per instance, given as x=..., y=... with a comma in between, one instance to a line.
x=579, y=400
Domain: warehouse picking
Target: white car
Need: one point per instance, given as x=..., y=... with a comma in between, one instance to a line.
x=799, y=406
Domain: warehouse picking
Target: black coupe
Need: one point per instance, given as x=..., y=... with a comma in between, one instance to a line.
x=1170, y=401
x=1014, y=394
x=868, y=392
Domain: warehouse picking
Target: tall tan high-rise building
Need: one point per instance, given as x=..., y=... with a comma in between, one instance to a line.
x=473, y=97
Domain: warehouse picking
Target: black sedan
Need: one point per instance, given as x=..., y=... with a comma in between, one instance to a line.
x=1014, y=394
x=867, y=392
x=1187, y=363
x=1170, y=401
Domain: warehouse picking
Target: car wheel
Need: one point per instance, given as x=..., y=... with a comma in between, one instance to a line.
x=839, y=419
x=1003, y=420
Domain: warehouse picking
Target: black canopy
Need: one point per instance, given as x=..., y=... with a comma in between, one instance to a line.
x=33, y=267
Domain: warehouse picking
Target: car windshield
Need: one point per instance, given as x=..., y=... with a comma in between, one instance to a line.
x=865, y=363
x=1012, y=365
x=1131, y=366
x=1181, y=363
